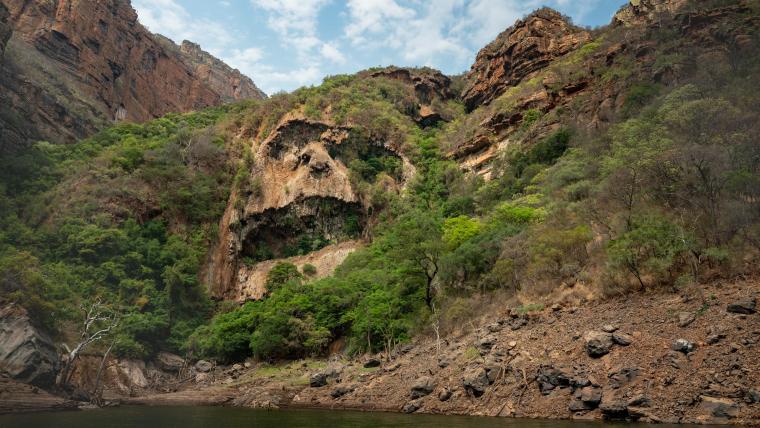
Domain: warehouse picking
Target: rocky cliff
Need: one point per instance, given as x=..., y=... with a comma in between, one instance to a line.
x=26, y=354
x=73, y=66
x=5, y=29
x=530, y=45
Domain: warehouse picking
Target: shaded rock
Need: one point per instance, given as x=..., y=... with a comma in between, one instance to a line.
x=614, y=409
x=753, y=395
x=475, y=381
x=170, y=362
x=621, y=376
x=372, y=363
x=598, y=343
x=717, y=409
x=685, y=318
x=410, y=407
x=622, y=339
x=317, y=380
x=422, y=386
x=591, y=396
x=204, y=366
x=342, y=390
x=551, y=377
x=640, y=400
x=746, y=307
x=485, y=344
x=26, y=353
x=579, y=406
x=444, y=395
x=676, y=359
x=683, y=345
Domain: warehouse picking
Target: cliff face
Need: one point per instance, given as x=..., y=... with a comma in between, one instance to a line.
x=5, y=29
x=530, y=45
x=73, y=66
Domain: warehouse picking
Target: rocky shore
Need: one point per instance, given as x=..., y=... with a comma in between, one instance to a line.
x=687, y=357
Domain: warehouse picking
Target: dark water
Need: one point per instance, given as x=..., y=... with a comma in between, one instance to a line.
x=218, y=417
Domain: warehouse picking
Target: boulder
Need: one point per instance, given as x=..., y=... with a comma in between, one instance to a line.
x=717, y=410
x=591, y=396
x=753, y=395
x=410, y=407
x=204, y=366
x=317, y=380
x=598, y=343
x=622, y=339
x=683, y=346
x=475, y=381
x=27, y=354
x=746, y=307
x=614, y=409
x=169, y=362
x=422, y=386
x=551, y=377
x=342, y=390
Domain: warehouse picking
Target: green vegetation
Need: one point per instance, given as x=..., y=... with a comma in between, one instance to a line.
x=664, y=192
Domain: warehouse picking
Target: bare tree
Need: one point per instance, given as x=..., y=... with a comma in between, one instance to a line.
x=98, y=323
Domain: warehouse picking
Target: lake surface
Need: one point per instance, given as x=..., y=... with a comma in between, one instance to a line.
x=225, y=417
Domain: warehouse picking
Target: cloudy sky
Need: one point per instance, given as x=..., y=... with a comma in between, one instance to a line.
x=285, y=44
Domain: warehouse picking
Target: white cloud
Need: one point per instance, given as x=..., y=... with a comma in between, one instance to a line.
x=331, y=52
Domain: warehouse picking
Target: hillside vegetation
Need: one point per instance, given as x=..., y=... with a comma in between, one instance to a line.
x=664, y=194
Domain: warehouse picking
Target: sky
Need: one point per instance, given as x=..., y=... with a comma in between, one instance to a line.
x=285, y=44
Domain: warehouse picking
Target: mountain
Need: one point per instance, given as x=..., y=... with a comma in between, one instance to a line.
x=569, y=230
x=70, y=68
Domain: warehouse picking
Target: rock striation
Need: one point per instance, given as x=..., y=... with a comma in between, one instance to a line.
x=26, y=353
x=529, y=45
x=73, y=66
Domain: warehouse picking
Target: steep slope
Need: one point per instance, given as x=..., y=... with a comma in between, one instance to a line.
x=72, y=67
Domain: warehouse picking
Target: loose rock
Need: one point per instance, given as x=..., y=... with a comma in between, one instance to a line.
x=410, y=408
x=204, y=366
x=598, y=343
x=475, y=381
x=622, y=339
x=318, y=380
x=683, y=345
x=685, y=318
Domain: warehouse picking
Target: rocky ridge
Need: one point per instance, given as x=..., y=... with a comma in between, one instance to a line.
x=71, y=67
x=529, y=45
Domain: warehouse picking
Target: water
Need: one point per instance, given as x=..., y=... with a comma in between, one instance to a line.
x=219, y=417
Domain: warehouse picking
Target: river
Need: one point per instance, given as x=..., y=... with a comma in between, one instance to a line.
x=226, y=417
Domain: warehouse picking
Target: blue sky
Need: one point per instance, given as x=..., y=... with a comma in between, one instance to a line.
x=285, y=44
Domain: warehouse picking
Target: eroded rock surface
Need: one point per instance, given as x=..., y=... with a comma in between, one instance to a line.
x=529, y=45
x=26, y=353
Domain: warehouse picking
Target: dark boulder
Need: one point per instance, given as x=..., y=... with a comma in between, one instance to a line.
x=475, y=381
x=372, y=363
x=422, y=387
x=683, y=346
x=318, y=380
x=598, y=343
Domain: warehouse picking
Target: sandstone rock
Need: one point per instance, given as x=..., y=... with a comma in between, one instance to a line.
x=317, y=380
x=475, y=381
x=746, y=307
x=685, y=318
x=170, y=362
x=530, y=45
x=26, y=353
x=598, y=343
x=683, y=345
x=622, y=339
x=204, y=366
